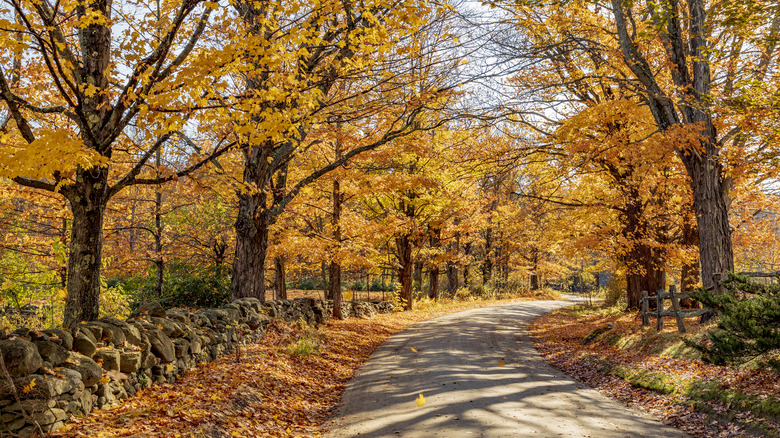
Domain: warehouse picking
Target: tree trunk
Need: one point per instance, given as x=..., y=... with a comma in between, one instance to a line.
x=452, y=278
x=335, y=264
x=715, y=250
x=325, y=283
x=434, y=282
x=280, y=279
x=535, y=269
x=405, y=261
x=487, y=263
x=335, y=289
x=688, y=63
x=158, y=230
x=251, y=247
x=418, y=276
x=689, y=273
x=466, y=266
x=63, y=269
x=88, y=198
x=644, y=263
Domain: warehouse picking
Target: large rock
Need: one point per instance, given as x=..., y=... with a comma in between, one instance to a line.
x=168, y=327
x=26, y=387
x=196, y=345
x=37, y=386
x=162, y=346
x=51, y=352
x=130, y=361
x=73, y=376
x=117, y=327
x=108, y=358
x=110, y=333
x=61, y=337
x=233, y=311
x=84, y=343
x=49, y=416
x=152, y=308
x=85, y=400
x=133, y=335
x=148, y=359
x=20, y=356
x=216, y=316
x=32, y=405
x=90, y=371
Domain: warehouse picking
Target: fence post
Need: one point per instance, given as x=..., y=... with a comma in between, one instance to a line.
x=718, y=277
x=645, y=309
x=676, y=308
x=659, y=309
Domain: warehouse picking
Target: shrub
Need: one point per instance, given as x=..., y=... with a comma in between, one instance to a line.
x=376, y=285
x=304, y=347
x=748, y=324
x=615, y=292
x=184, y=285
x=114, y=301
x=310, y=283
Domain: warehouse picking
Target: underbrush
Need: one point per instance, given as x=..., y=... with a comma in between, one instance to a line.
x=608, y=348
x=295, y=339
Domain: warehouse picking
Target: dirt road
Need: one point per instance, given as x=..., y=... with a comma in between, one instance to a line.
x=480, y=377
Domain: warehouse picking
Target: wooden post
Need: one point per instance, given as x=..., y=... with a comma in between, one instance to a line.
x=645, y=309
x=659, y=309
x=718, y=277
x=676, y=308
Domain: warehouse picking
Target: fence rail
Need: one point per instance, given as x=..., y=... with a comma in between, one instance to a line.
x=675, y=311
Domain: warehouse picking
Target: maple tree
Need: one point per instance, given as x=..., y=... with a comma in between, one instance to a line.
x=111, y=106
x=102, y=87
x=575, y=76
x=324, y=53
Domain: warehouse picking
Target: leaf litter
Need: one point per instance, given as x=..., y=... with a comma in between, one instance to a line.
x=269, y=393
x=561, y=339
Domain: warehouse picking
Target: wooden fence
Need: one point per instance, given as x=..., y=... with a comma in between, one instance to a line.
x=660, y=312
x=675, y=311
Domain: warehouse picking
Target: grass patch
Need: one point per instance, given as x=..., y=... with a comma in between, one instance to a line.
x=304, y=347
x=711, y=391
x=651, y=380
x=585, y=311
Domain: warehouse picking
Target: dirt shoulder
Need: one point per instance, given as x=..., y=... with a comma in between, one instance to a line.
x=655, y=373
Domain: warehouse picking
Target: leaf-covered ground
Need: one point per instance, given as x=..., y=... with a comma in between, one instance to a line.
x=656, y=373
x=287, y=385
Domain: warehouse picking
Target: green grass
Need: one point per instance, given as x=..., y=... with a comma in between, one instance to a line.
x=304, y=347
x=586, y=311
x=711, y=391
x=652, y=380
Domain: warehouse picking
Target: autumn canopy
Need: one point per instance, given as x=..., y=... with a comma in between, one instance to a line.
x=197, y=151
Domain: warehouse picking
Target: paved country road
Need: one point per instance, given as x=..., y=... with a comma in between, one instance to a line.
x=467, y=394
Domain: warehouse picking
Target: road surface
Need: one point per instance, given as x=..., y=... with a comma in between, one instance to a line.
x=457, y=367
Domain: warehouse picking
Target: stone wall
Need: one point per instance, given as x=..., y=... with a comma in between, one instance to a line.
x=46, y=376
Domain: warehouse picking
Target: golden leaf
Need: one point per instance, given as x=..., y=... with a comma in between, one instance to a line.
x=27, y=388
x=420, y=401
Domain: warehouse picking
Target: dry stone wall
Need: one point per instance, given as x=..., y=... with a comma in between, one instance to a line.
x=47, y=376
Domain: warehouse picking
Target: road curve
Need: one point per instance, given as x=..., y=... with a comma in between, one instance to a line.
x=468, y=394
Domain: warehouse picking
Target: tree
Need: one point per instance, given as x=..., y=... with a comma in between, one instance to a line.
x=102, y=94
x=309, y=65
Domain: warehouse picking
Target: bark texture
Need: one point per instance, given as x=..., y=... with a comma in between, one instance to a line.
x=689, y=68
